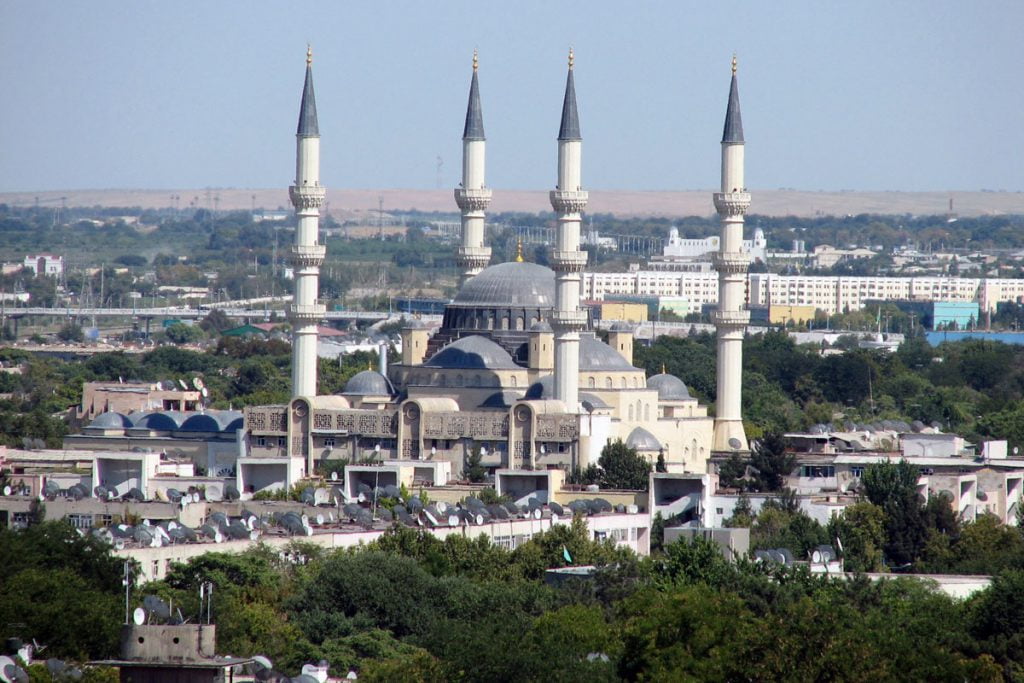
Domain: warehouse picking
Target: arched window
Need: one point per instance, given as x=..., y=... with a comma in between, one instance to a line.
x=515, y=382
x=591, y=382
x=638, y=409
x=622, y=382
x=442, y=380
x=647, y=412
x=607, y=382
x=476, y=381
x=458, y=380
x=636, y=382
x=630, y=412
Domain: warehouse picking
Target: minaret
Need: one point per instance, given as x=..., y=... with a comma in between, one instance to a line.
x=307, y=197
x=472, y=195
x=731, y=262
x=568, y=200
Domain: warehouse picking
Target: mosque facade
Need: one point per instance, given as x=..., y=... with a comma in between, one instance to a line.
x=515, y=372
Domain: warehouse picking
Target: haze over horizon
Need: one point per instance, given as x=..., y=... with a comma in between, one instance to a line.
x=861, y=97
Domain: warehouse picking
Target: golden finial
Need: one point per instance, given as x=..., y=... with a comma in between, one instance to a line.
x=663, y=368
x=572, y=59
x=519, y=250
x=733, y=63
x=309, y=54
x=476, y=60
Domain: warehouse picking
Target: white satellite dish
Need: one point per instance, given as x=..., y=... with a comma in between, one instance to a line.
x=320, y=520
x=554, y=517
x=214, y=493
x=197, y=383
x=536, y=513
x=218, y=537
x=7, y=490
x=262, y=661
x=139, y=616
x=184, y=384
x=334, y=477
x=205, y=392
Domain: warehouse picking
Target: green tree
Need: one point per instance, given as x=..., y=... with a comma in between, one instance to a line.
x=71, y=332
x=861, y=532
x=180, y=333
x=771, y=462
x=623, y=468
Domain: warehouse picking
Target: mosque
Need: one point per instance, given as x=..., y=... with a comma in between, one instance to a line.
x=515, y=372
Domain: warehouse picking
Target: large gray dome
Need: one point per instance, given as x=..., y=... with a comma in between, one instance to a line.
x=510, y=284
x=368, y=383
x=669, y=387
x=473, y=352
x=596, y=356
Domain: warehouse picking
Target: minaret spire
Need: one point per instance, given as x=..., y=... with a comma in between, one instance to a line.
x=731, y=262
x=472, y=195
x=307, y=254
x=567, y=260
x=308, y=126
x=733, y=130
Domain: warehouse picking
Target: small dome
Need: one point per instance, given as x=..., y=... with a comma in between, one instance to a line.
x=621, y=326
x=111, y=420
x=596, y=356
x=510, y=284
x=472, y=353
x=643, y=440
x=541, y=326
x=669, y=387
x=165, y=421
x=213, y=421
x=369, y=383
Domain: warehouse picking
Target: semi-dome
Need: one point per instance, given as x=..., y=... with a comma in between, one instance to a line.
x=621, y=326
x=472, y=353
x=541, y=326
x=669, y=387
x=162, y=421
x=596, y=356
x=643, y=440
x=111, y=420
x=369, y=383
x=592, y=402
x=501, y=399
x=510, y=284
x=542, y=388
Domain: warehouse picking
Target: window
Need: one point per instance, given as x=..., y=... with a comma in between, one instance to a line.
x=817, y=471
x=282, y=441
x=857, y=471
x=329, y=442
x=261, y=441
x=80, y=521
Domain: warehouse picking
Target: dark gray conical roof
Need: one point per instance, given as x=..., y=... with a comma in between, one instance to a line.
x=570, y=128
x=733, y=131
x=474, y=129
x=308, y=126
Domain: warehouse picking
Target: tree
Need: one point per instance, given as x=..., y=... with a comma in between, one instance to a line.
x=180, y=333
x=893, y=487
x=475, y=472
x=861, y=531
x=623, y=468
x=71, y=333
x=771, y=461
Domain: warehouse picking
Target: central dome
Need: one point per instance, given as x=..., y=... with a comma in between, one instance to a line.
x=510, y=284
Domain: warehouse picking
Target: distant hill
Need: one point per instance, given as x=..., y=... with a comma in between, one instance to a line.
x=353, y=203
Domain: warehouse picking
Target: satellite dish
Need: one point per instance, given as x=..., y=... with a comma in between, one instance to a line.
x=320, y=520
x=214, y=493
x=262, y=662
x=184, y=384
x=7, y=490
x=334, y=476
x=554, y=517
x=205, y=392
x=139, y=616
x=735, y=443
x=197, y=383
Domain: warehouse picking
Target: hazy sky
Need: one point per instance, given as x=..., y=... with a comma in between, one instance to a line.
x=855, y=95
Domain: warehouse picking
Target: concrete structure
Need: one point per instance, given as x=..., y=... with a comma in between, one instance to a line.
x=568, y=200
x=169, y=653
x=307, y=196
x=678, y=249
x=472, y=194
x=731, y=318
x=132, y=397
x=44, y=264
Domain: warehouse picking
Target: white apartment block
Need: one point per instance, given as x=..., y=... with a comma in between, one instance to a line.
x=829, y=293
